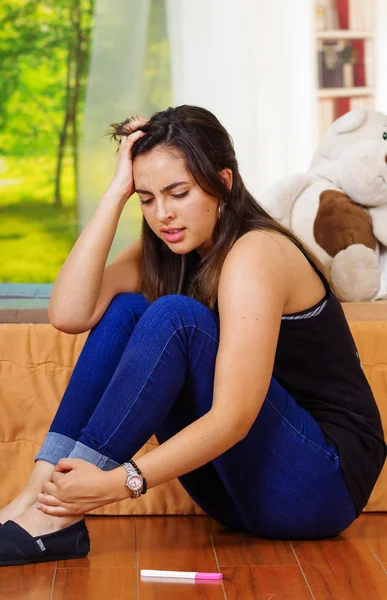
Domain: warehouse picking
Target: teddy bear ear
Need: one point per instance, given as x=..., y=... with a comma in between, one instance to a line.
x=351, y=120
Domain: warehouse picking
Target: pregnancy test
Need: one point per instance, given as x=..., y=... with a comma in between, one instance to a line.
x=180, y=574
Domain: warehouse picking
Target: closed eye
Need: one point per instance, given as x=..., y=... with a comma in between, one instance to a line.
x=173, y=196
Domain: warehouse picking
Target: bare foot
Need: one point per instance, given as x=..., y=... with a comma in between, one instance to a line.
x=38, y=523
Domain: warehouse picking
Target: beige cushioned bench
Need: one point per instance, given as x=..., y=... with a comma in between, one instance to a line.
x=36, y=362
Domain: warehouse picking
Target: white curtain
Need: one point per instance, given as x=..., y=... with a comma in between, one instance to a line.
x=252, y=63
x=114, y=89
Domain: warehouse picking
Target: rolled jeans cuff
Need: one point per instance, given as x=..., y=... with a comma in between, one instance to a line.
x=92, y=456
x=55, y=447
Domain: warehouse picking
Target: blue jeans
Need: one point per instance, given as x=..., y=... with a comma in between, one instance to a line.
x=149, y=369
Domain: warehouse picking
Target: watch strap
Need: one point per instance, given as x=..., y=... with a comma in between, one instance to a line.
x=132, y=469
x=131, y=462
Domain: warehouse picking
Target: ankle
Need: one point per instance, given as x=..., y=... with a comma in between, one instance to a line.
x=27, y=496
x=38, y=523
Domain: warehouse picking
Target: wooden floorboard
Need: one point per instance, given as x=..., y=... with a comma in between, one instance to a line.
x=112, y=544
x=373, y=528
x=342, y=568
x=176, y=544
x=79, y=583
x=265, y=583
x=31, y=582
x=352, y=566
x=245, y=549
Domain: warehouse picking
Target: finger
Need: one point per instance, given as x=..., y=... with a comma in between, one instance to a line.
x=56, y=511
x=133, y=137
x=48, y=499
x=123, y=144
x=135, y=123
x=67, y=464
x=50, y=488
x=56, y=478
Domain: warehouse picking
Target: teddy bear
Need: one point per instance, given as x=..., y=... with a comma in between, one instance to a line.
x=339, y=206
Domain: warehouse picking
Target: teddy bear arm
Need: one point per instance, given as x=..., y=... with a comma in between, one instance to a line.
x=340, y=223
x=379, y=223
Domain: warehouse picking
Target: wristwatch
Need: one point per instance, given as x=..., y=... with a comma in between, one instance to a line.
x=134, y=480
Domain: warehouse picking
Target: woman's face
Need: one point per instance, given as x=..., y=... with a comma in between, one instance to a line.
x=177, y=210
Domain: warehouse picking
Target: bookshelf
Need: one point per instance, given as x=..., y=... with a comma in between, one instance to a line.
x=345, y=42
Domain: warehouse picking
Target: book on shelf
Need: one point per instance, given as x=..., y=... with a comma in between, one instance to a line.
x=356, y=15
x=342, y=106
x=326, y=113
x=361, y=15
x=362, y=102
x=342, y=8
x=342, y=63
x=369, y=63
x=369, y=15
x=330, y=63
x=348, y=75
x=326, y=15
x=359, y=74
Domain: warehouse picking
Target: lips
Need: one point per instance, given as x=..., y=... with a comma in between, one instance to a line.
x=173, y=235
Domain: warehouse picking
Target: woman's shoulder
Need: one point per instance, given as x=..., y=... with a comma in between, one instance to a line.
x=275, y=258
x=264, y=244
x=255, y=276
x=262, y=255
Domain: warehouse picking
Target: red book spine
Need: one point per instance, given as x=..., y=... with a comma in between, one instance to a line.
x=342, y=106
x=359, y=78
x=342, y=7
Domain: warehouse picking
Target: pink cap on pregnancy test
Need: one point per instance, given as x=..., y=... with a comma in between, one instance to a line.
x=208, y=576
x=180, y=574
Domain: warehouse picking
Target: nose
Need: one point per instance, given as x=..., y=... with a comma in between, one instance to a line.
x=385, y=158
x=163, y=214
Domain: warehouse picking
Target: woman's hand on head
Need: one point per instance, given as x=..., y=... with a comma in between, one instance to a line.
x=75, y=487
x=122, y=182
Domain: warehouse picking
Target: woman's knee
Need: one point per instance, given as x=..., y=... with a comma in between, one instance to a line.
x=125, y=300
x=172, y=305
x=177, y=312
x=123, y=307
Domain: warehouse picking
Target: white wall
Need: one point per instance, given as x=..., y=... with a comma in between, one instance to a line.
x=285, y=63
x=252, y=63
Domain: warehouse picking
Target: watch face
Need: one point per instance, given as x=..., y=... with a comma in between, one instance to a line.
x=134, y=482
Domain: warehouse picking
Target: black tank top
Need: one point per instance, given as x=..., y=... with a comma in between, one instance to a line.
x=317, y=362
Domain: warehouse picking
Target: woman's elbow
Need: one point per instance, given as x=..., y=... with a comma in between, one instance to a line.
x=68, y=326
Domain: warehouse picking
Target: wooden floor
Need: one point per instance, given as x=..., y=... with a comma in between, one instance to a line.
x=352, y=566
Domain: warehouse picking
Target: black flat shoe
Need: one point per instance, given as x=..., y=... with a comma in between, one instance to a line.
x=18, y=547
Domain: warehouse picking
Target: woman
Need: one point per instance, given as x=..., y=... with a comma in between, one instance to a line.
x=218, y=333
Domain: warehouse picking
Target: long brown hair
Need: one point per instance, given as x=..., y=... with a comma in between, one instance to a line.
x=207, y=148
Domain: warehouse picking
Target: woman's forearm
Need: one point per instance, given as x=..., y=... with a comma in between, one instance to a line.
x=78, y=284
x=192, y=447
